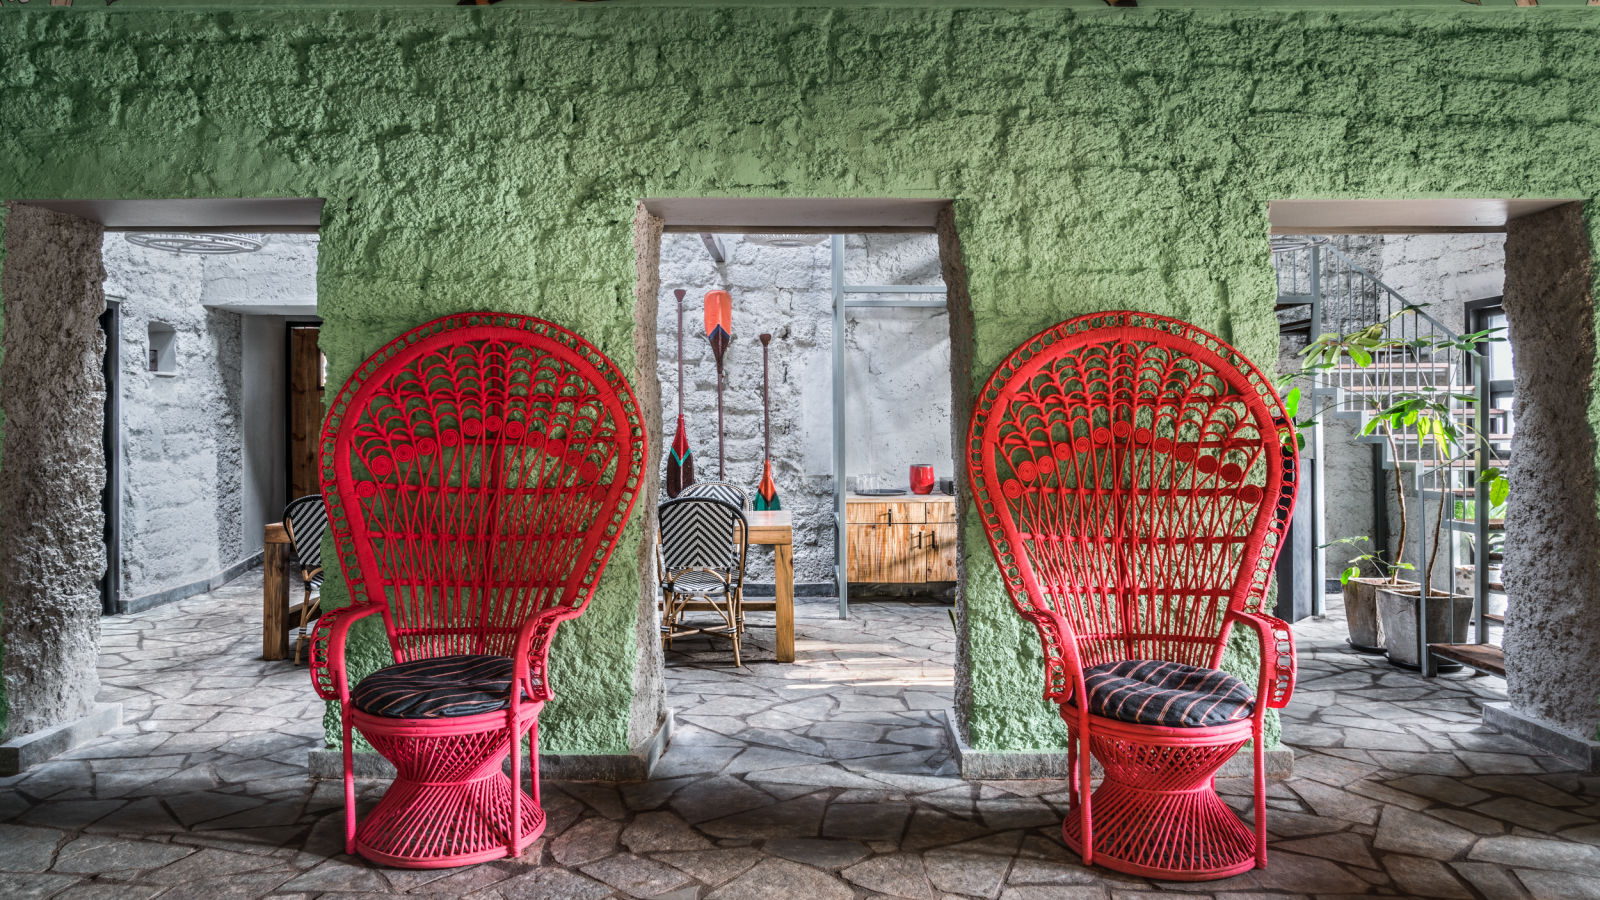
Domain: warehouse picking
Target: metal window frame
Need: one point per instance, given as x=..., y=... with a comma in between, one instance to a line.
x=842, y=302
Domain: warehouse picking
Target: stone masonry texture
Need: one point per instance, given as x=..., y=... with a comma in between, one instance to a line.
x=897, y=372
x=1552, y=566
x=52, y=393
x=1097, y=158
x=182, y=476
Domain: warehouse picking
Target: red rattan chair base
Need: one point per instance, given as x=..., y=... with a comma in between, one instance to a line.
x=1156, y=813
x=451, y=803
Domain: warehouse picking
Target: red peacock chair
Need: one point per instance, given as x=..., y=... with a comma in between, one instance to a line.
x=1134, y=482
x=479, y=471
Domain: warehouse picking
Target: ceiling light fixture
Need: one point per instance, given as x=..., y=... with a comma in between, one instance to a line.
x=198, y=243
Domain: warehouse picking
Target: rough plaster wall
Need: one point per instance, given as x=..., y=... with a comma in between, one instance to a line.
x=182, y=445
x=649, y=678
x=52, y=395
x=897, y=363
x=280, y=278
x=953, y=268
x=491, y=157
x=1552, y=566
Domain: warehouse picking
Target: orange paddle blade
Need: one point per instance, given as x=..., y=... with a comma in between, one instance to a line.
x=719, y=312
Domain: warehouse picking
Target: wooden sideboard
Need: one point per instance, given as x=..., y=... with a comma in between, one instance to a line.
x=909, y=539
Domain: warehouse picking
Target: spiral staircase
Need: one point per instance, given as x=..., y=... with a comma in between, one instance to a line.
x=1323, y=290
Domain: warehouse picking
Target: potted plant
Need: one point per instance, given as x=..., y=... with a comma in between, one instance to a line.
x=1435, y=415
x=1428, y=411
x=1356, y=349
x=1361, y=592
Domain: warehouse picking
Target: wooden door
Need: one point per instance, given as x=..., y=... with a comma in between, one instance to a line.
x=939, y=551
x=884, y=553
x=306, y=384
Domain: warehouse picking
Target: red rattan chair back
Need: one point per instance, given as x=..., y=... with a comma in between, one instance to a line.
x=1133, y=482
x=479, y=470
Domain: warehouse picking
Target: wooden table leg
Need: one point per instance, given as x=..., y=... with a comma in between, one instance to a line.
x=275, y=597
x=783, y=558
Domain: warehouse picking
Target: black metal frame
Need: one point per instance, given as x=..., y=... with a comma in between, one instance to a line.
x=111, y=440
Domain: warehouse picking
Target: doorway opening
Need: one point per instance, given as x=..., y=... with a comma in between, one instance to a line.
x=176, y=450
x=1435, y=453
x=860, y=386
x=213, y=403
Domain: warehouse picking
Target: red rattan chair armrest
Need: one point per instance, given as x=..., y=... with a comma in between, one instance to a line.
x=533, y=651
x=1063, y=675
x=1277, y=656
x=327, y=650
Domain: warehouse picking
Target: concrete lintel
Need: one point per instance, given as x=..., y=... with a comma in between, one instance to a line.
x=635, y=765
x=1027, y=765
x=1579, y=751
x=25, y=750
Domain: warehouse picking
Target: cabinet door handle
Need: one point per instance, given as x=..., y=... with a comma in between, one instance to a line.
x=891, y=516
x=919, y=540
x=933, y=536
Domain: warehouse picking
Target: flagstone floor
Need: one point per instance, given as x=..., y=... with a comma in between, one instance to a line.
x=828, y=778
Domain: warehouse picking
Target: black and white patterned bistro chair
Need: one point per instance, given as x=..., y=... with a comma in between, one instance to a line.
x=702, y=543
x=726, y=491
x=306, y=519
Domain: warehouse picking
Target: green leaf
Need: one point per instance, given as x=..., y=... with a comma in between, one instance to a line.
x=1362, y=358
x=1347, y=574
x=1291, y=403
x=1499, y=490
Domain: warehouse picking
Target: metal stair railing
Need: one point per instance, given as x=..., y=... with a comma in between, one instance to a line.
x=1343, y=297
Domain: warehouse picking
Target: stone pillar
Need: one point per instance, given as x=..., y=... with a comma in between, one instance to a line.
x=958, y=304
x=1552, y=565
x=52, y=467
x=647, y=721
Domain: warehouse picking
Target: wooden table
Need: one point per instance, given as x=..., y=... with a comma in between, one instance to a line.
x=278, y=618
x=774, y=529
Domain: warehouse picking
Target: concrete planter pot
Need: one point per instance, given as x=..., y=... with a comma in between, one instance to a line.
x=1361, y=613
x=1398, y=613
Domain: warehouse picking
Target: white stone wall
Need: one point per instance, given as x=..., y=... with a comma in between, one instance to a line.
x=181, y=453
x=194, y=496
x=897, y=371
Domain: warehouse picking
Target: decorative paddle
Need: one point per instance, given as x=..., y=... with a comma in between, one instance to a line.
x=719, y=331
x=680, y=459
x=767, y=492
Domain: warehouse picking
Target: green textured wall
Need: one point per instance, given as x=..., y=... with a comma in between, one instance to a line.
x=1099, y=158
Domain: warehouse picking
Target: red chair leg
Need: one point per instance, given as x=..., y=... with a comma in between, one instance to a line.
x=1158, y=812
x=514, y=737
x=349, y=785
x=451, y=803
x=533, y=760
x=1261, y=797
x=1085, y=801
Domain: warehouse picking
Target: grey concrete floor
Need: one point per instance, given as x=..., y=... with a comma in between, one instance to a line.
x=827, y=778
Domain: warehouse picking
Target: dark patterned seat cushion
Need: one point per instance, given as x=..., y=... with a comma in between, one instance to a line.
x=1156, y=692
x=439, y=688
